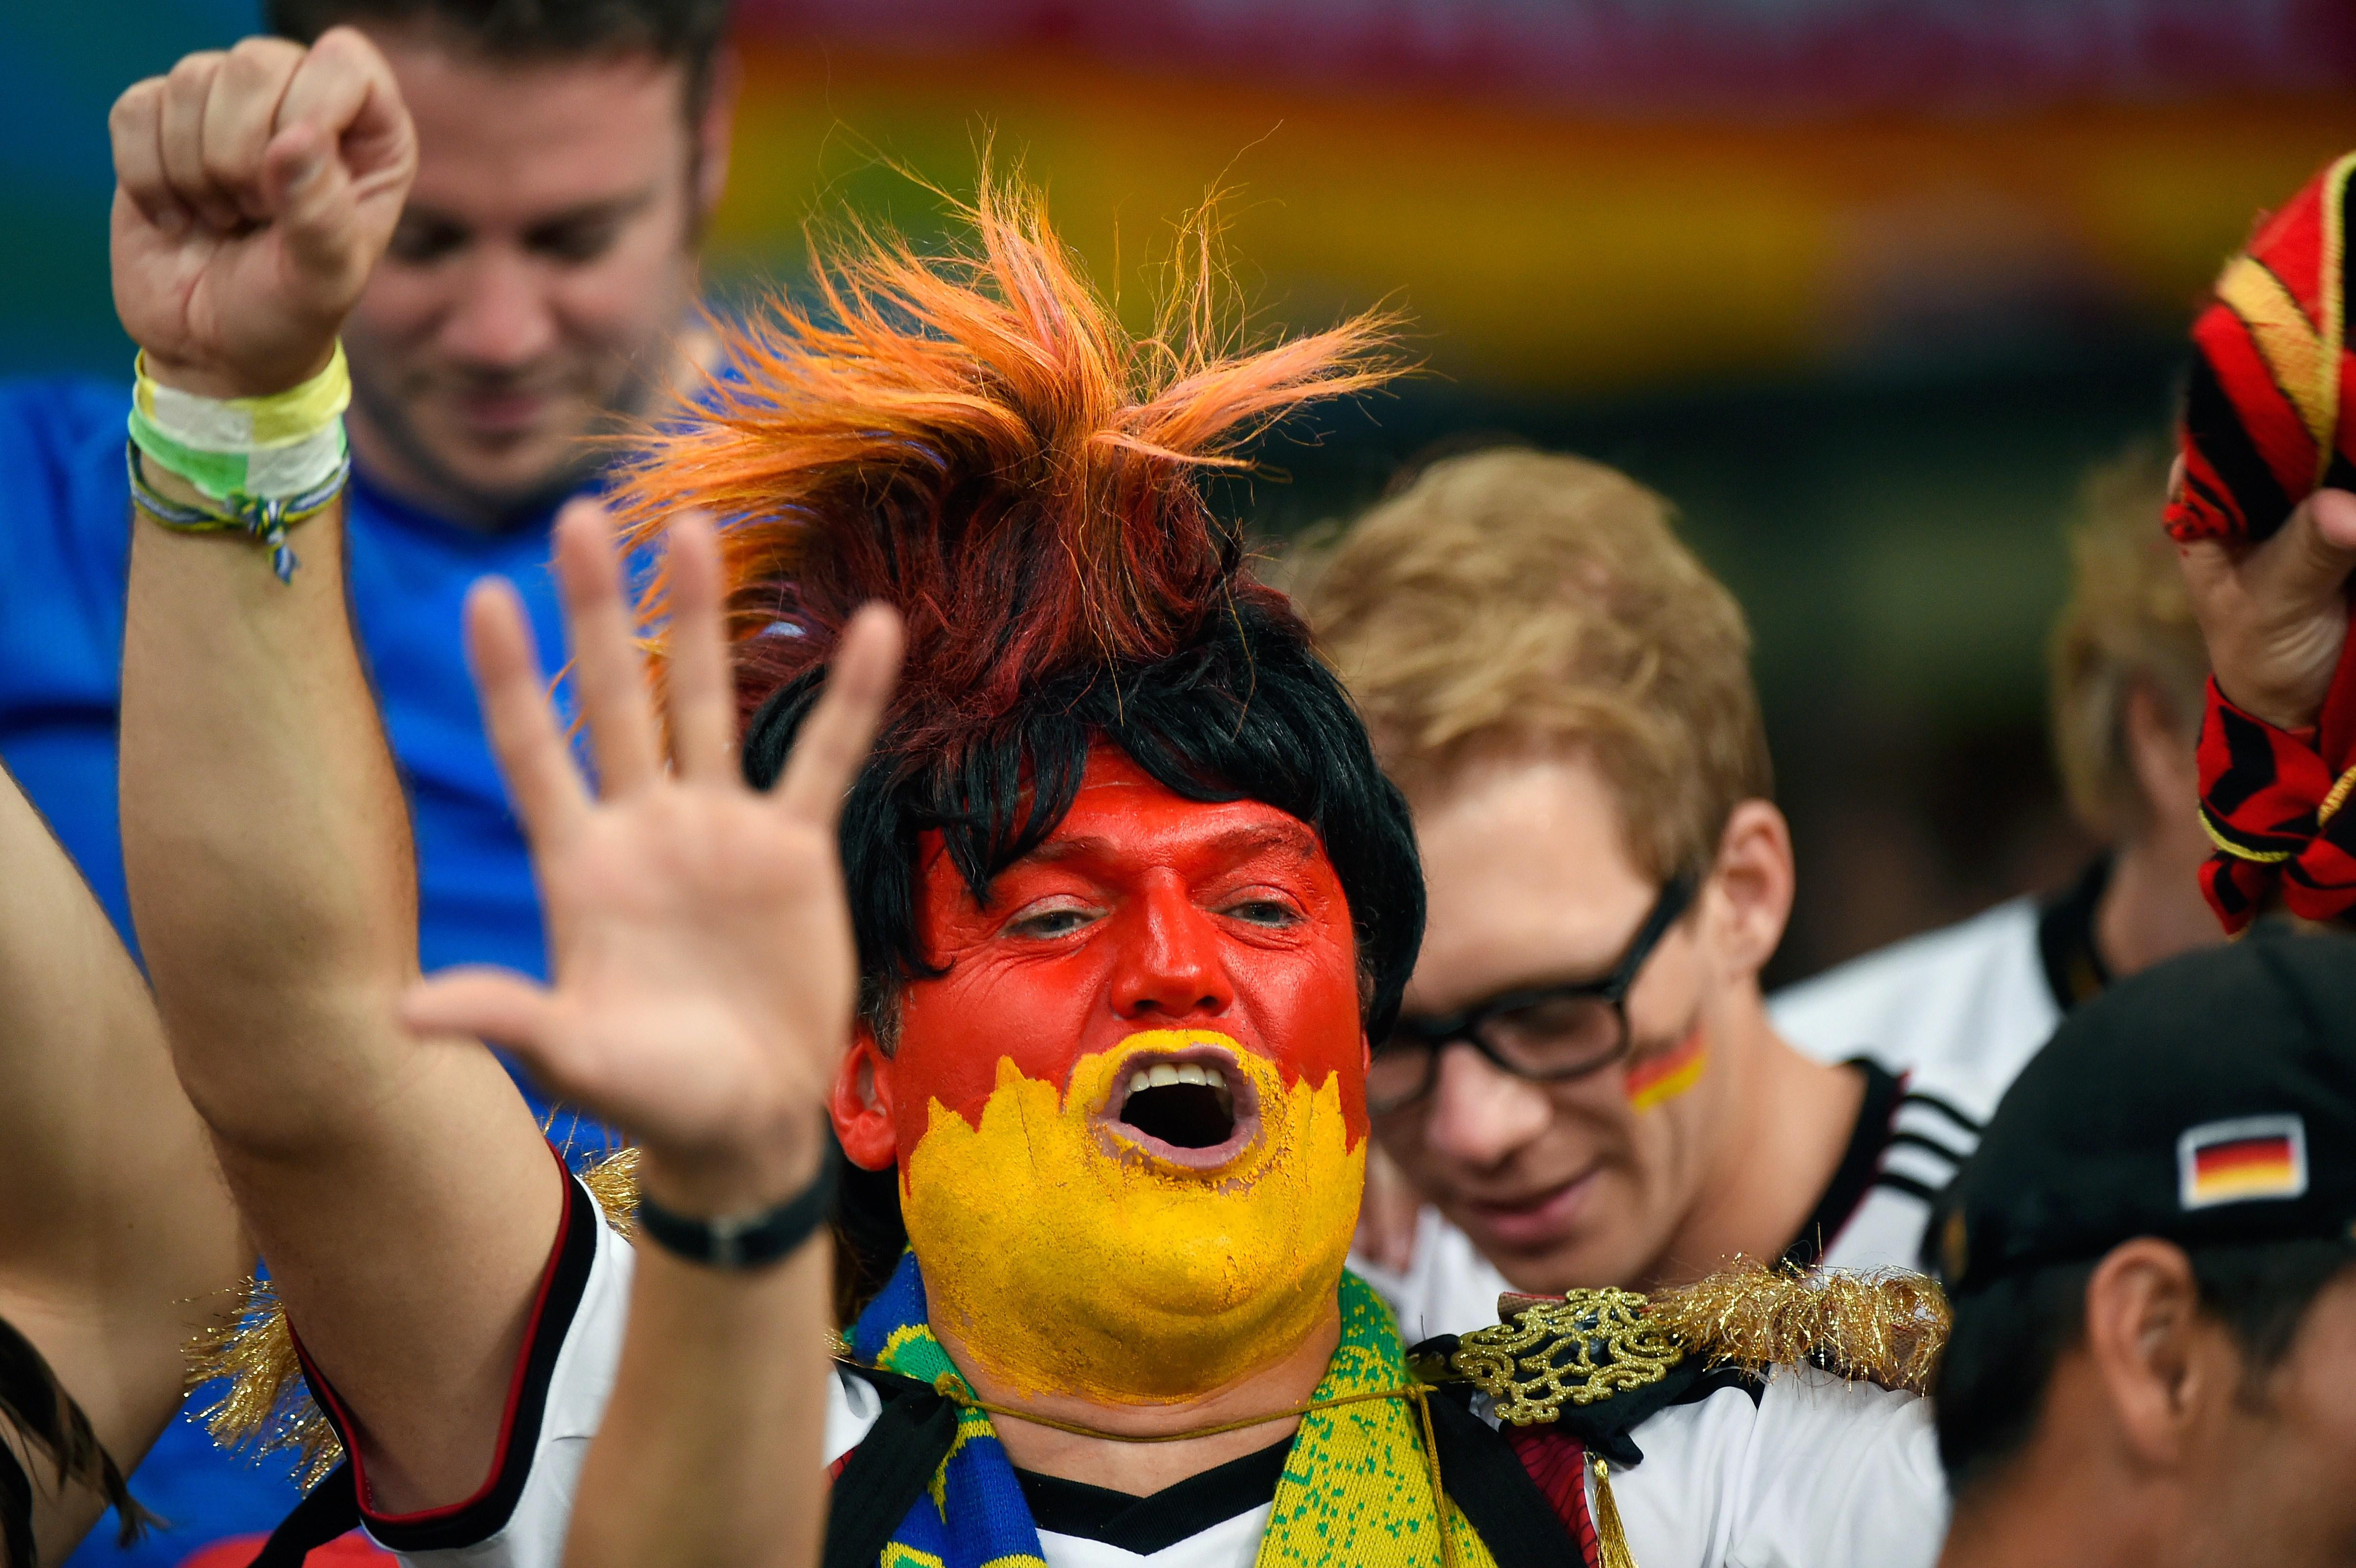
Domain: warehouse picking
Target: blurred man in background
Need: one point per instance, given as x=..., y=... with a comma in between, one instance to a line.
x=1586, y=1086
x=537, y=291
x=2159, y=1371
x=1960, y=1011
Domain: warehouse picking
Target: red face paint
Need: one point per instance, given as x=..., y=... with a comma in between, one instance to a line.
x=1143, y=910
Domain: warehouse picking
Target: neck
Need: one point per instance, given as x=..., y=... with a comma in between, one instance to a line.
x=2151, y=909
x=2047, y=1516
x=1143, y=1467
x=1786, y=1122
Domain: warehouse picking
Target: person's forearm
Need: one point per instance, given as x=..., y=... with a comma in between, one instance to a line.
x=264, y=834
x=398, y=1187
x=709, y=1452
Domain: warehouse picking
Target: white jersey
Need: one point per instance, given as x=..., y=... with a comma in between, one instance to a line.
x=1957, y=1011
x=1808, y=1472
x=1961, y=1009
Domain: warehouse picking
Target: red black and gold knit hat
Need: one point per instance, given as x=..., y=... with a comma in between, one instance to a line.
x=2269, y=419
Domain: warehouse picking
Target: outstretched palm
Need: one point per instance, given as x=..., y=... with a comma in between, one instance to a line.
x=704, y=968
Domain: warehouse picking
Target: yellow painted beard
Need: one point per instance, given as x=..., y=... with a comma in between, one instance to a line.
x=1066, y=1261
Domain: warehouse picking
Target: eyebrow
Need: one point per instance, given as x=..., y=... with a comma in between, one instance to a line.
x=612, y=209
x=1237, y=843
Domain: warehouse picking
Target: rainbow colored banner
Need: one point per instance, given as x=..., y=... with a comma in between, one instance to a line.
x=1589, y=207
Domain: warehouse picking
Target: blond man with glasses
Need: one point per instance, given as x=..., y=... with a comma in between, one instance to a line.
x=1585, y=1088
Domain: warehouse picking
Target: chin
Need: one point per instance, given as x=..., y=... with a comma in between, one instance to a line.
x=1068, y=1264
x=501, y=469
x=526, y=466
x=1570, y=1268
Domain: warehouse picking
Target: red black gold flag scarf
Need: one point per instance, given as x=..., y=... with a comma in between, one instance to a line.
x=2265, y=426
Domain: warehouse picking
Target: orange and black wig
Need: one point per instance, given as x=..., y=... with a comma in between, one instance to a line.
x=975, y=439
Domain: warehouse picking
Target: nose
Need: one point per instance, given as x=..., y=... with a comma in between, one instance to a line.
x=1170, y=965
x=1480, y=1115
x=502, y=319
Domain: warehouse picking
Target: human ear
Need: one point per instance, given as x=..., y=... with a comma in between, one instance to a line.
x=2167, y=768
x=715, y=129
x=1749, y=896
x=2157, y=1357
x=860, y=1104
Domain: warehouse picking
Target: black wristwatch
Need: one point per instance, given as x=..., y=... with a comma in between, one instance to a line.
x=739, y=1241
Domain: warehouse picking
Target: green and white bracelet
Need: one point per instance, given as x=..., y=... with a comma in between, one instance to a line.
x=265, y=464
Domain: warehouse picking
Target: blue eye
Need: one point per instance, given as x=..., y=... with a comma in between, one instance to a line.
x=1264, y=912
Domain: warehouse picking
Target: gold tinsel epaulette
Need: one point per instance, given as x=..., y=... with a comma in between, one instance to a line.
x=267, y=1408
x=1886, y=1327
x=613, y=1183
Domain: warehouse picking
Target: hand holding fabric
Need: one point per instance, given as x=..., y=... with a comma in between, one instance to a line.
x=2275, y=615
x=2262, y=505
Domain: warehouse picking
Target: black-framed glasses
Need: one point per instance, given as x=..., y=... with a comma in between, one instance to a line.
x=1544, y=1033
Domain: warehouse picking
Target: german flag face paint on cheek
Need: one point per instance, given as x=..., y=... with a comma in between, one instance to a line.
x=1174, y=1218
x=1656, y=1080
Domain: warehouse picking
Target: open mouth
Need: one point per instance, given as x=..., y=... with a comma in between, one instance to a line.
x=1195, y=1108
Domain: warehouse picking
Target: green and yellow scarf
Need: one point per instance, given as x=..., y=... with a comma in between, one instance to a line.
x=1357, y=1486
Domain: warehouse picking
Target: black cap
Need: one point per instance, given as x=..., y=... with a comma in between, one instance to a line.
x=2210, y=1101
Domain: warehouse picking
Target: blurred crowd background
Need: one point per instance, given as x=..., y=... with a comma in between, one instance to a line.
x=1862, y=286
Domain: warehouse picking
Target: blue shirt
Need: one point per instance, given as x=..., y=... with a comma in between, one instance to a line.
x=64, y=566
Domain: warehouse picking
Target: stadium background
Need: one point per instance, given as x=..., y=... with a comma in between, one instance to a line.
x=1862, y=286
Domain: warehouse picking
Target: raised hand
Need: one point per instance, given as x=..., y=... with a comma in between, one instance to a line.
x=255, y=190
x=705, y=973
x=2275, y=615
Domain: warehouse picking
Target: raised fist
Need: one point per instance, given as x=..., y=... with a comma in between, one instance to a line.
x=255, y=191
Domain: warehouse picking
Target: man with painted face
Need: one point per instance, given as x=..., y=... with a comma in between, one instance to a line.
x=1587, y=1088
x=1120, y=895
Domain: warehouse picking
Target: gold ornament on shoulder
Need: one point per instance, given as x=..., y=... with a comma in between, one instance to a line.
x=1587, y=1346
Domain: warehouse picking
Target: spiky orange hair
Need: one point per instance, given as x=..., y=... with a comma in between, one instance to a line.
x=976, y=439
